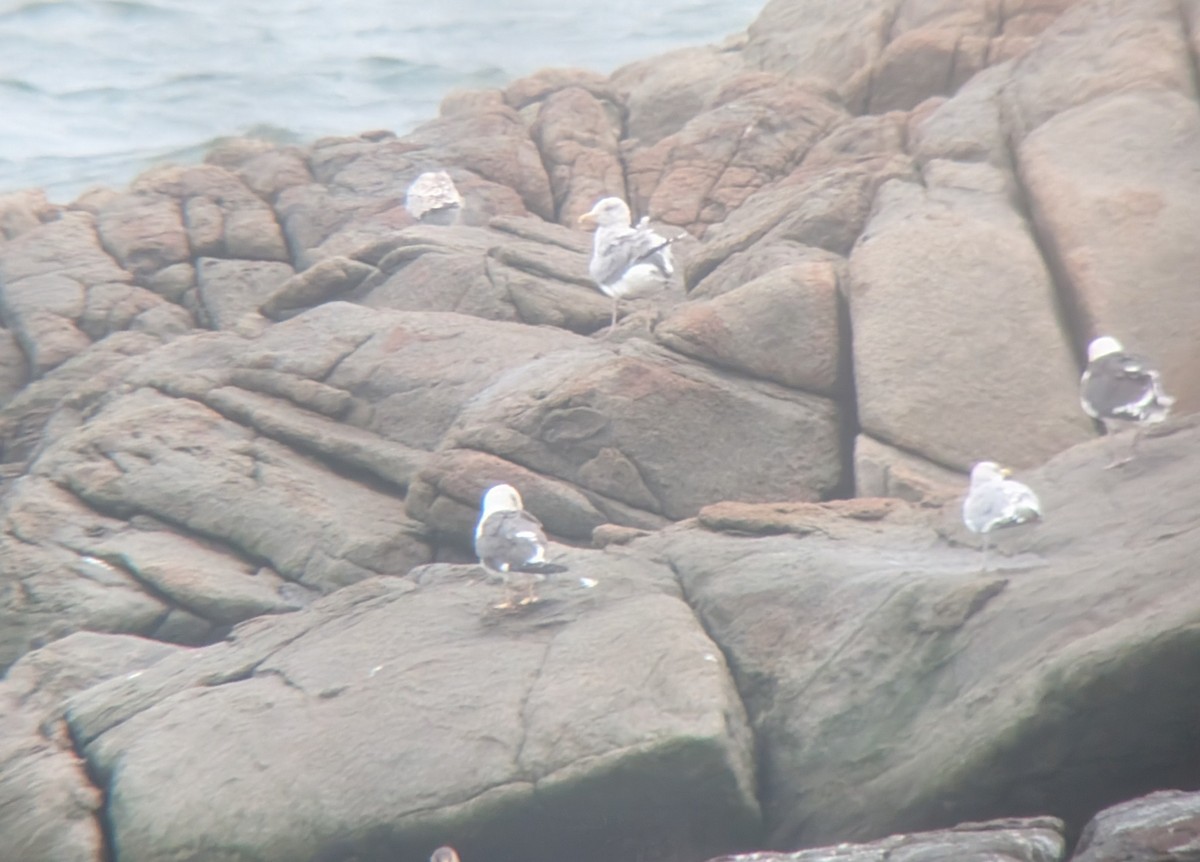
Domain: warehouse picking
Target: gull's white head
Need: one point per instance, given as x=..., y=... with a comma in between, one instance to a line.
x=446, y=854
x=1103, y=346
x=501, y=498
x=607, y=212
x=988, y=471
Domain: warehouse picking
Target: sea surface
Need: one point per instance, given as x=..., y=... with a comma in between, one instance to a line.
x=94, y=91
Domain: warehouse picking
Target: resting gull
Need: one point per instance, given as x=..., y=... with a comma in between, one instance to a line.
x=434, y=199
x=995, y=502
x=510, y=543
x=444, y=854
x=626, y=261
x=1120, y=388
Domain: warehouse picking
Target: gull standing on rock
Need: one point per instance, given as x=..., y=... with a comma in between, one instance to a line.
x=434, y=199
x=626, y=261
x=510, y=543
x=1120, y=388
x=996, y=501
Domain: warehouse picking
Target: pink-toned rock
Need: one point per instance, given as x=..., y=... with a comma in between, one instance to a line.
x=230, y=289
x=758, y=132
x=1122, y=229
x=628, y=423
x=326, y=280
x=22, y=210
x=885, y=471
x=544, y=83
x=14, y=368
x=144, y=232
x=493, y=144
x=662, y=94
x=824, y=207
x=447, y=493
x=358, y=199
x=68, y=246
x=578, y=136
x=781, y=326
x=835, y=43
x=269, y=173
x=223, y=217
x=922, y=63
x=1096, y=49
x=958, y=354
x=113, y=307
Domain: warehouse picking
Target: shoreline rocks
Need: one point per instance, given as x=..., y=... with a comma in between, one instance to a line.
x=247, y=409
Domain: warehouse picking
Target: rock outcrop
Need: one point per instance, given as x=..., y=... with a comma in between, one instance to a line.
x=248, y=408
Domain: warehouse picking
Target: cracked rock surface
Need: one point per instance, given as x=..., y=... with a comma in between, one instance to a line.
x=248, y=409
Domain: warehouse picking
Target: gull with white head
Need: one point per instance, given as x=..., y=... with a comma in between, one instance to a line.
x=627, y=261
x=511, y=544
x=1120, y=389
x=996, y=502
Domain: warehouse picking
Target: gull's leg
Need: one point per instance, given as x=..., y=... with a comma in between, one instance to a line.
x=613, y=323
x=530, y=598
x=1129, y=455
x=507, y=604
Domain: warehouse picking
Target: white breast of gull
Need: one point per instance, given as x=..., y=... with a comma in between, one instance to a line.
x=627, y=261
x=510, y=543
x=434, y=199
x=995, y=502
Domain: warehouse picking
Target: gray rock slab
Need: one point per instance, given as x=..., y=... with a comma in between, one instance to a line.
x=894, y=686
x=393, y=717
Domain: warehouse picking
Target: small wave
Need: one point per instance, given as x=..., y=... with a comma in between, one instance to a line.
x=15, y=85
x=58, y=10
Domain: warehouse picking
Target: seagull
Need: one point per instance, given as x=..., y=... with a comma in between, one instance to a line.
x=510, y=543
x=996, y=501
x=1120, y=388
x=444, y=854
x=626, y=261
x=434, y=199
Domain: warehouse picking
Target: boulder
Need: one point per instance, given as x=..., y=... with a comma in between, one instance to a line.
x=482, y=712
x=881, y=470
x=1120, y=229
x=230, y=289
x=781, y=326
x=895, y=686
x=757, y=132
x=1163, y=826
x=662, y=94
x=203, y=474
x=22, y=210
x=49, y=809
x=224, y=218
x=144, y=232
x=326, y=280
x=626, y=423
x=578, y=136
x=958, y=352
x=1032, y=839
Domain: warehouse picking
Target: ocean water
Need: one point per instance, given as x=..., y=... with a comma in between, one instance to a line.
x=94, y=91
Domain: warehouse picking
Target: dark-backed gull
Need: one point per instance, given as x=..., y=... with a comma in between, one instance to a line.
x=626, y=261
x=434, y=199
x=444, y=854
x=510, y=543
x=1120, y=388
x=996, y=501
